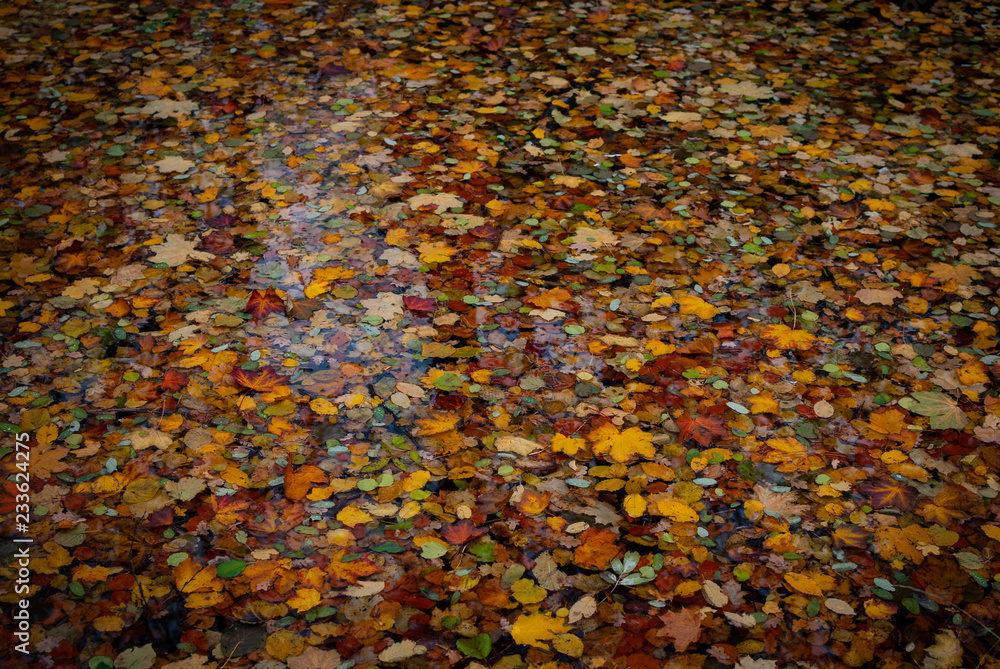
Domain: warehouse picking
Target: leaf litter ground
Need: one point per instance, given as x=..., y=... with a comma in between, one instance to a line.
x=562, y=335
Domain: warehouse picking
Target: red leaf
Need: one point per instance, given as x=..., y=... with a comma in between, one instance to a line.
x=264, y=302
x=701, y=428
x=414, y=303
x=222, y=221
x=484, y=232
x=263, y=381
x=219, y=242
x=462, y=531
x=173, y=380
x=890, y=493
x=334, y=70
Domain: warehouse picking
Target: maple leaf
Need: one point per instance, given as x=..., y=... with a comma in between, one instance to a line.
x=264, y=381
x=532, y=629
x=849, y=209
x=173, y=380
x=622, y=446
x=785, y=337
x=694, y=305
x=887, y=493
x=264, y=302
x=176, y=251
x=791, y=455
x=550, y=298
x=683, y=626
x=461, y=532
x=334, y=70
x=350, y=570
x=943, y=411
x=780, y=503
x=701, y=428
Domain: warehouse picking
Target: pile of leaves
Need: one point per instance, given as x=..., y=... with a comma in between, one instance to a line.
x=503, y=334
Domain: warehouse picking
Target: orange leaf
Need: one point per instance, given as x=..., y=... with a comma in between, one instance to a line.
x=299, y=482
x=597, y=548
x=803, y=584
x=264, y=381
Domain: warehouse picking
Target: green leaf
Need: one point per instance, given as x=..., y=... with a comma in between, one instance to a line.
x=478, y=646
x=943, y=411
x=433, y=549
x=231, y=568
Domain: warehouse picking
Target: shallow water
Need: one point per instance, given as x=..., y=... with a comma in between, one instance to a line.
x=484, y=335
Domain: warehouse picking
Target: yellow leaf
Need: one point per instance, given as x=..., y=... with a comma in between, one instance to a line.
x=236, y=477
x=533, y=629
x=971, y=373
x=657, y=347
x=635, y=505
x=785, y=337
x=568, y=644
x=803, y=584
x=397, y=237
x=323, y=406
x=622, y=446
x=436, y=252
x=190, y=577
x=675, y=509
x=763, y=403
x=893, y=457
x=992, y=531
x=317, y=288
x=568, y=445
x=304, y=599
x=655, y=470
x=879, y=610
x=352, y=516
x=416, y=480
x=527, y=591
x=284, y=644
x=690, y=304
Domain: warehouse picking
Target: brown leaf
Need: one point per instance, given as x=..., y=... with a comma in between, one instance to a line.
x=684, y=627
x=887, y=493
